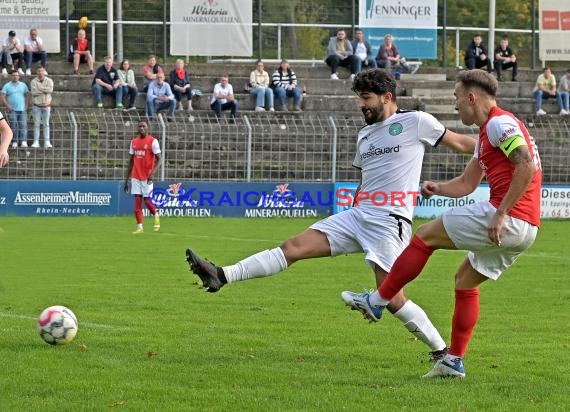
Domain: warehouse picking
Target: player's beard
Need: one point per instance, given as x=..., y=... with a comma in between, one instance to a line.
x=371, y=115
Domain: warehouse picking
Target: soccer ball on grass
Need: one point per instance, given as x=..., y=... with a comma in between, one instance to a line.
x=57, y=325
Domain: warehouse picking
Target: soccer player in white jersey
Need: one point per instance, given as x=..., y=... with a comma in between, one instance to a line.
x=495, y=232
x=5, y=139
x=389, y=153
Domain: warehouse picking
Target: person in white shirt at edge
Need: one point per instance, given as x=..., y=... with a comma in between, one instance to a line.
x=389, y=154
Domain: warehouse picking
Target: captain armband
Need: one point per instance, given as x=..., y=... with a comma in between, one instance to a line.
x=512, y=143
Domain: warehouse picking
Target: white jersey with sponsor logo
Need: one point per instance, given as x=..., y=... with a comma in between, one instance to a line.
x=390, y=155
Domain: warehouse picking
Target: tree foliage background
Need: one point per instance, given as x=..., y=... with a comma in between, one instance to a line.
x=305, y=42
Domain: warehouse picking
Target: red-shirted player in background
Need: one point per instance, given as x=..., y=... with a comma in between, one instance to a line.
x=495, y=232
x=144, y=160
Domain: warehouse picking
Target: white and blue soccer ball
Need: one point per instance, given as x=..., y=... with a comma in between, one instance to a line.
x=57, y=325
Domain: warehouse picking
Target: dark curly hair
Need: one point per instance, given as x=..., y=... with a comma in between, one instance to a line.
x=375, y=81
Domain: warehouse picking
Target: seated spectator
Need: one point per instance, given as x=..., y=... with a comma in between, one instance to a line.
x=564, y=91
x=388, y=56
x=284, y=82
x=505, y=59
x=223, y=98
x=107, y=81
x=476, y=55
x=150, y=70
x=79, y=52
x=159, y=96
x=340, y=53
x=545, y=88
x=12, y=49
x=259, y=87
x=363, y=51
x=127, y=82
x=33, y=51
x=180, y=84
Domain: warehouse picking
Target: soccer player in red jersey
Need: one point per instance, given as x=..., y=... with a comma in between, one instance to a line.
x=495, y=232
x=145, y=159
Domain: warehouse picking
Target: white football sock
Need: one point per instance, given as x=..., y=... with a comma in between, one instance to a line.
x=377, y=300
x=416, y=321
x=266, y=263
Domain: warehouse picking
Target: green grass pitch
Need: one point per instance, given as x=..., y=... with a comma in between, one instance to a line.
x=151, y=340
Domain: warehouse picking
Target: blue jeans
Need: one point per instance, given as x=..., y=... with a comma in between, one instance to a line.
x=263, y=96
x=283, y=93
x=565, y=100
x=371, y=64
x=217, y=107
x=540, y=95
x=30, y=57
x=99, y=90
x=131, y=92
x=152, y=107
x=19, y=124
x=41, y=118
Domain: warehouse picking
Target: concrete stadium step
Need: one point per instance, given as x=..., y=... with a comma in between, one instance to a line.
x=424, y=77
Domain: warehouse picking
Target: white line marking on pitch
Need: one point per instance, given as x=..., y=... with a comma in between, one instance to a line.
x=87, y=324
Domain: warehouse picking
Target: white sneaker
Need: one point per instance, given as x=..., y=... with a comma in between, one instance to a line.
x=28, y=72
x=540, y=112
x=445, y=368
x=271, y=109
x=45, y=72
x=352, y=76
x=4, y=72
x=564, y=112
x=259, y=109
x=24, y=144
x=179, y=106
x=47, y=145
x=35, y=145
x=334, y=76
x=20, y=71
x=15, y=145
x=415, y=69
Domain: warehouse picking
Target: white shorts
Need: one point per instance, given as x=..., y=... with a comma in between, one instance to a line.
x=382, y=238
x=141, y=187
x=467, y=227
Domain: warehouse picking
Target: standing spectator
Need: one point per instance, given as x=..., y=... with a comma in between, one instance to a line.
x=16, y=97
x=259, y=87
x=106, y=81
x=128, y=84
x=42, y=88
x=545, y=88
x=144, y=159
x=223, y=98
x=150, y=71
x=13, y=48
x=284, y=82
x=476, y=55
x=159, y=96
x=389, y=56
x=505, y=59
x=180, y=84
x=363, y=51
x=79, y=52
x=340, y=53
x=564, y=92
x=5, y=139
x=33, y=51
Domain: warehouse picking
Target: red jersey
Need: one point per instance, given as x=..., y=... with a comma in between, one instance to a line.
x=500, y=126
x=82, y=45
x=143, y=151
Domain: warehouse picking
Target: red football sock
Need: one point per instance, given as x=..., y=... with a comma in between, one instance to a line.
x=150, y=206
x=406, y=268
x=138, y=209
x=464, y=320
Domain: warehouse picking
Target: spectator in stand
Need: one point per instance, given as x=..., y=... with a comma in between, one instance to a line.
x=13, y=48
x=259, y=87
x=545, y=88
x=223, y=98
x=128, y=84
x=476, y=55
x=159, y=96
x=107, y=81
x=5, y=139
x=42, y=88
x=564, y=92
x=505, y=59
x=33, y=51
x=388, y=56
x=180, y=84
x=284, y=82
x=363, y=51
x=79, y=52
x=150, y=70
x=340, y=53
x=15, y=96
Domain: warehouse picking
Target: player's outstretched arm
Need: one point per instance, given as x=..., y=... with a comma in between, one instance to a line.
x=459, y=186
x=5, y=139
x=459, y=142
